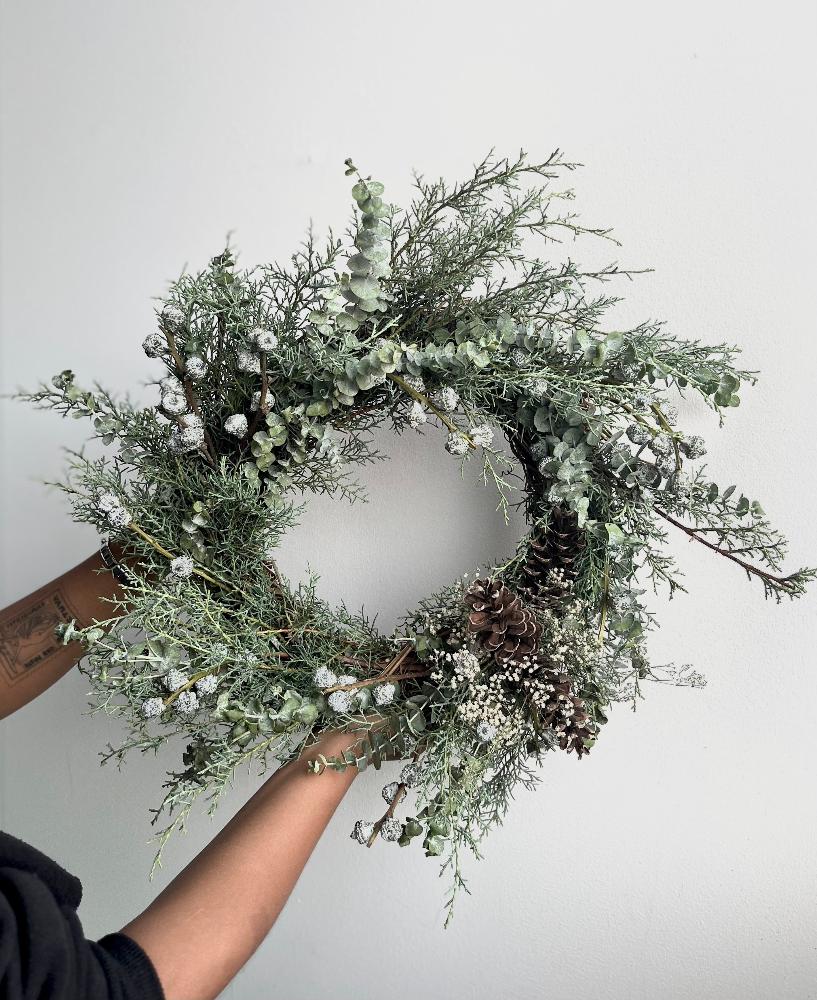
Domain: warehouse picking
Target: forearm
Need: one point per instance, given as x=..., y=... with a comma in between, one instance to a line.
x=232, y=892
x=31, y=657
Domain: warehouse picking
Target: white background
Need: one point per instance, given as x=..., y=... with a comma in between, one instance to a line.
x=678, y=861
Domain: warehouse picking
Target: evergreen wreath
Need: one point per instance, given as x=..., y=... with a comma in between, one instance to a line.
x=273, y=380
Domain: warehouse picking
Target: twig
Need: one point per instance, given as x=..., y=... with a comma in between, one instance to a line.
x=666, y=426
x=605, y=599
x=425, y=401
x=262, y=400
x=367, y=682
x=784, y=582
x=165, y=552
x=398, y=795
x=209, y=451
x=398, y=659
x=188, y=684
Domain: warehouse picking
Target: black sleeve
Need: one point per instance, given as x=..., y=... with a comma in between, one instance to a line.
x=44, y=954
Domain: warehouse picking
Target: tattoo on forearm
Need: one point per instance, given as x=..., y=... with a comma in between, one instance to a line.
x=27, y=639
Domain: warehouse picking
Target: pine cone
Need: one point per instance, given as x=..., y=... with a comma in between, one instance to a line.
x=552, y=561
x=565, y=714
x=504, y=625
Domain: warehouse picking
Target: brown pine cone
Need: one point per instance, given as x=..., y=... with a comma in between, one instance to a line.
x=553, y=560
x=565, y=714
x=504, y=625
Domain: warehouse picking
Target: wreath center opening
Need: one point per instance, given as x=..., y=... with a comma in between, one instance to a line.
x=423, y=521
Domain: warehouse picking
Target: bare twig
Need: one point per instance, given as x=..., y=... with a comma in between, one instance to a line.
x=398, y=795
x=783, y=582
x=425, y=401
x=209, y=450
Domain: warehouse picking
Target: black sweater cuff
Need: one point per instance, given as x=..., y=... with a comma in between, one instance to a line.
x=140, y=972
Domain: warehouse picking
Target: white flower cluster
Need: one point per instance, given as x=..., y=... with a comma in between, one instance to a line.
x=486, y=705
x=639, y=434
x=661, y=444
x=248, y=362
x=188, y=436
x=384, y=694
x=693, y=446
x=482, y=435
x=665, y=464
x=173, y=398
x=434, y=623
x=571, y=650
x=485, y=731
x=236, y=425
x=362, y=831
x=416, y=382
x=174, y=679
x=187, y=702
x=182, y=567
x=153, y=345
x=206, y=685
x=342, y=702
x=411, y=775
x=391, y=829
x=543, y=693
x=269, y=402
x=172, y=318
x=152, y=708
x=457, y=444
x=114, y=511
x=456, y=669
x=571, y=647
x=263, y=340
x=446, y=399
x=325, y=678
x=417, y=415
x=195, y=367
x=390, y=790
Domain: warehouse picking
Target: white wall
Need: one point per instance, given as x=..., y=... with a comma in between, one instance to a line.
x=678, y=861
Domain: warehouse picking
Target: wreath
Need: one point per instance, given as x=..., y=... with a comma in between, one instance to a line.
x=462, y=311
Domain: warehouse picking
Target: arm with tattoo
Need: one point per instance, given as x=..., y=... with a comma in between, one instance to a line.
x=31, y=657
